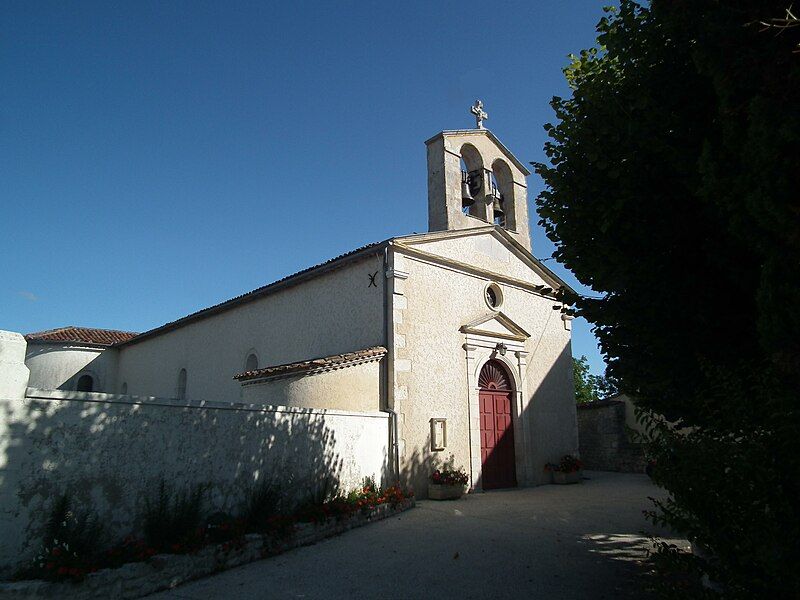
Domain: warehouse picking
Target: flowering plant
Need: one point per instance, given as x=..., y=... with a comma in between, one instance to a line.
x=568, y=464
x=450, y=476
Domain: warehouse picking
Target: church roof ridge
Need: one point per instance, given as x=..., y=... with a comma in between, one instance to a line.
x=282, y=283
x=324, y=267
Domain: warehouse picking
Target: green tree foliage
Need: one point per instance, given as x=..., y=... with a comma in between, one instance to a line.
x=673, y=188
x=589, y=387
x=584, y=391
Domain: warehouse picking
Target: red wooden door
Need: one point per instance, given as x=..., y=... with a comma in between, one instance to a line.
x=497, y=428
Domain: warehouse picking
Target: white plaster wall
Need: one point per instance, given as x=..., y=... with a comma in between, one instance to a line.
x=14, y=374
x=334, y=313
x=110, y=452
x=430, y=372
x=357, y=387
x=484, y=251
x=57, y=366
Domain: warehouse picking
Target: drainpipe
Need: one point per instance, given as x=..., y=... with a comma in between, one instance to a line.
x=395, y=445
x=395, y=450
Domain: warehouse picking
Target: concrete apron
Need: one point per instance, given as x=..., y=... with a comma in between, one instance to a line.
x=578, y=541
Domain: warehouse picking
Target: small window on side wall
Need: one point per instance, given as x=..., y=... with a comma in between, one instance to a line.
x=251, y=364
x=180, y=391
x=85, y=384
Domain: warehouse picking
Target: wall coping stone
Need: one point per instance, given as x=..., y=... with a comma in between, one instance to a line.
x=166, y=571
x=598, y=404
x=50, y=395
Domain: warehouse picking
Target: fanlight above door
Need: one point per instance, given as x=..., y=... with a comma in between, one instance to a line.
x=493, y=377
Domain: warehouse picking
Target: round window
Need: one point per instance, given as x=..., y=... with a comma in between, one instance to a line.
x=493, y=296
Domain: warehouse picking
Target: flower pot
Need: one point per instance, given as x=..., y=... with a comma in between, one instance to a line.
x=443, y=491
x=566, y=477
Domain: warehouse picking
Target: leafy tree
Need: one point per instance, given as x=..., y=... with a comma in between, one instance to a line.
x=673, y=187
x=584, y=390
x=589, y=387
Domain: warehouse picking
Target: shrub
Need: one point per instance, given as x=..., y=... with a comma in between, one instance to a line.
x=280, y=526
x=222, y=527
x=369, y=483
x=130, y=549
x=735, y=497
x=69, y=546
x=263, y=502
x=313, y=508
x=324, y=490
x=172, y=521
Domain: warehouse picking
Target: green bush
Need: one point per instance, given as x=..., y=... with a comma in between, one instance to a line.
x=733, y=492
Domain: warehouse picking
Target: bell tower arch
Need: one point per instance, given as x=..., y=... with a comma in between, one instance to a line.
x=474, y=180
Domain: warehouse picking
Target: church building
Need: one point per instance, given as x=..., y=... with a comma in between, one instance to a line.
x=456, y=335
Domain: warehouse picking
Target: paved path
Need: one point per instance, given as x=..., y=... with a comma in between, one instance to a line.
x=580, y=541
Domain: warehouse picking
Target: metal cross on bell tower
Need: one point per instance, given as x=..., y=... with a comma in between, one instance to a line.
x=480, y=115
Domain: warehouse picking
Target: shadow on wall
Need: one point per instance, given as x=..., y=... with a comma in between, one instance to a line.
x=110, y=453
x=551, y=417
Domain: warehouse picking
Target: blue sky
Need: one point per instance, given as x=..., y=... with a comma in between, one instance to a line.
x=160, y=157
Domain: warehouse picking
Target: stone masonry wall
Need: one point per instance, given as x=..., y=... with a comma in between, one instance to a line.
x=604, y=441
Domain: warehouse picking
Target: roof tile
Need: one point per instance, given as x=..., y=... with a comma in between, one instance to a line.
x=85, y=335
x=326, y=362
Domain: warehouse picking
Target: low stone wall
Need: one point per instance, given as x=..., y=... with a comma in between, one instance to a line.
x=165, y=571
x=109, y=453
x=604, y=440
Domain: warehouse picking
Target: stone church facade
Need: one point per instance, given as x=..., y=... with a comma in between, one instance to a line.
x=453, y=337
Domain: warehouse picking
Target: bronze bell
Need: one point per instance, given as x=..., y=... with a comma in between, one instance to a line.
x=466, y=195
x=497, y=206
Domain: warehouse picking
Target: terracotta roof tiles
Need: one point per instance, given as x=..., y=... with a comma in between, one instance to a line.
x=84, y=335
x=315, y=364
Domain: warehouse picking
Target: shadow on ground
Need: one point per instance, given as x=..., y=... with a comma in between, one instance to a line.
x=581, y=541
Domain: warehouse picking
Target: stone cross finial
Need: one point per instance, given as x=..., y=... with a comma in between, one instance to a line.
x=480, y=115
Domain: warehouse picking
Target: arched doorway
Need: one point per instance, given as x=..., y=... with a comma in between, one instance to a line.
x=497, y=427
